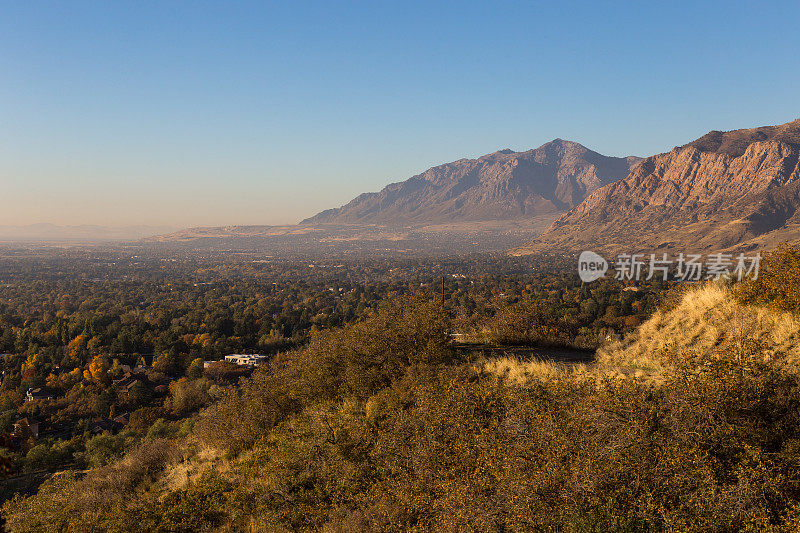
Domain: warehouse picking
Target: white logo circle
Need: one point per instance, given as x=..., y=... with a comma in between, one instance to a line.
x=591, y=266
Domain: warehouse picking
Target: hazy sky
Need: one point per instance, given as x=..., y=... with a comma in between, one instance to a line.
x=212, y=113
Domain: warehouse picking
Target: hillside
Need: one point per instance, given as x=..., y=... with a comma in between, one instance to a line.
x=738, y=189
x=690, y=424
x=504, y=185
x=706, y=320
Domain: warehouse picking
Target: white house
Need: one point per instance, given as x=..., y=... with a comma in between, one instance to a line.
x=246, y=360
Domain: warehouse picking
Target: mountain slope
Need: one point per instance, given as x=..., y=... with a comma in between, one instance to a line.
x=734, y=189
x=505, y=185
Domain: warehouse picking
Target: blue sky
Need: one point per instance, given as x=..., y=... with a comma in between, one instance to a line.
x=211, y=113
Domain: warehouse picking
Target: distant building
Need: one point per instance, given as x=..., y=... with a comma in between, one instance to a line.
x=38, y=394
x=128, y=379
x=101, y=425
x=22, y=426
x=246, y=360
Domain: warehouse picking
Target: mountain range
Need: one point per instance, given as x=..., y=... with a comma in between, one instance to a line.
x=726, y=190
x=734, y=190
x=504, y=185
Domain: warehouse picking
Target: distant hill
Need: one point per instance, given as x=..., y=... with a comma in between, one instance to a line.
x=81, y=233
x=358, y=239
x=504, y=185
x=737, y=189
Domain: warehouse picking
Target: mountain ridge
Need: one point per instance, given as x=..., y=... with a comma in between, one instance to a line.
x=502, y=185
x=724, y=190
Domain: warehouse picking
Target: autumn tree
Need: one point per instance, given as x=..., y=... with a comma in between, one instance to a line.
x=98, y=370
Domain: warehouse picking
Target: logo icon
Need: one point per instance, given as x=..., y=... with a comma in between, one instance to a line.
x=591, y=266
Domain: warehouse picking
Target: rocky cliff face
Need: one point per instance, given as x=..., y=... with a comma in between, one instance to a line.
x=726, y=190
x=505, y=185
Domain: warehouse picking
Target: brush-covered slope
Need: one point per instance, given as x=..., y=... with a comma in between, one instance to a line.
x=504, y=185
x=380, y=427
x=706, y=323
x=724, y=190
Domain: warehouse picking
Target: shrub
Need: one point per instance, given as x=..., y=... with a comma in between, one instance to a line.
x=49, y=454
x=162, y=429
x=141, y=419
x=778, y=282
x=103, y=449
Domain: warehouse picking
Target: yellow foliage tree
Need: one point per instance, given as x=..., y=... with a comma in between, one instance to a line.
x=98, y=370
x=204, y=340
x=77, y=345
x=34, y=361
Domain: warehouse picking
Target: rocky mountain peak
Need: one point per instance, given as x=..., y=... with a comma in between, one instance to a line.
x=727, y=189
x=503, y=185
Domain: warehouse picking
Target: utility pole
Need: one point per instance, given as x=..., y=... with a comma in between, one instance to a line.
x=442, y=292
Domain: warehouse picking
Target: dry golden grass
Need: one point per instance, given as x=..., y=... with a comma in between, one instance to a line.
x=196, y=460
x=526, y=372
x=706, y=320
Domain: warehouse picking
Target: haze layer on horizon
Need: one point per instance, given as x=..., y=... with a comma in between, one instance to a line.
x=188, y=114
